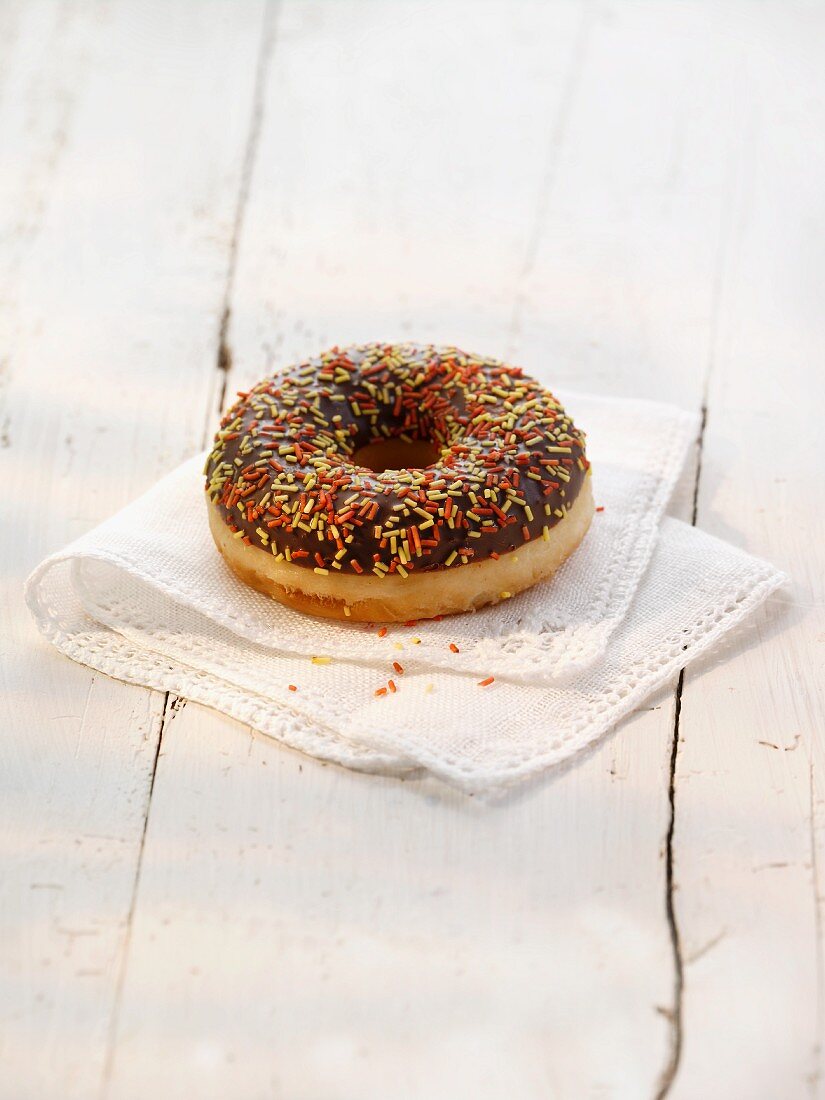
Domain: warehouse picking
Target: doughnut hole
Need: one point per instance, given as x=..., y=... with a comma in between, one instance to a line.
x=397, y=454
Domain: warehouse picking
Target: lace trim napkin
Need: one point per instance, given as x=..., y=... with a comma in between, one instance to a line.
x=146, y=598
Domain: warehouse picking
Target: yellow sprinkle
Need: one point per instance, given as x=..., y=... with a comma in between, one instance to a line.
x=323, y=572
x=416, y=641
x=505, y=595
x=347, y=611
x=321, y=660
x=428, y=689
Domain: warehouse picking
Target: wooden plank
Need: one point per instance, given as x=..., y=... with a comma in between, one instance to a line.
x=324, y=933
x=403, y=156
x=313, y=932
x=123, y=132
x=750, y=780
x=619, y=291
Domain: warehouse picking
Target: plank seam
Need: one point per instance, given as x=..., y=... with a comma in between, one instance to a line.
x=731, y=202
x=223, y=360
x=555, y=144
x=170, y=706
x=675, y=1016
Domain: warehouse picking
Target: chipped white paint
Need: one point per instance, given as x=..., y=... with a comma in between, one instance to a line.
x=631, y=190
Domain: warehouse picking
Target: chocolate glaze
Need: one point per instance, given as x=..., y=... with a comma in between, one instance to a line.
x=281, y=471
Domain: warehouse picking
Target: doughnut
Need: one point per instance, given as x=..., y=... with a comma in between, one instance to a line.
x=392, y=482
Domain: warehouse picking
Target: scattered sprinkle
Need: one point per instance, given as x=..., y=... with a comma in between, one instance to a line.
x=391, y=686
x=487, y=682
x=454, y=648
x=382, y=633
x=398, y=668
x=292, y=687
x=322, y=660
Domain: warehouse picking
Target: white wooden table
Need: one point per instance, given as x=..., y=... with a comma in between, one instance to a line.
x=194, y=193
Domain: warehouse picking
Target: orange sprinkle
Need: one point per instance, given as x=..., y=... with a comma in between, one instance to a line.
x=391, y=686
x=600, y=508
x=398, y=668
x=487, y=682
x=381, y=691
x=292, y=687
x=382, y=633
x=454, y=647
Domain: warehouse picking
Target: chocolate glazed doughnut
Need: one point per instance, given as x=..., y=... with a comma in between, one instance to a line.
x=388, y=482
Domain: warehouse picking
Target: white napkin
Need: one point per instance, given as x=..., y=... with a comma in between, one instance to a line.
x=145, y=597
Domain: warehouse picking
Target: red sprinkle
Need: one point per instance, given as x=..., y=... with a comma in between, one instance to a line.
x=391, y=686
x=487, y=682
x=398, y=668
x=382, y=633
x=381, y=691
x=292, y=687
x=600, y=509
x=454, y=647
